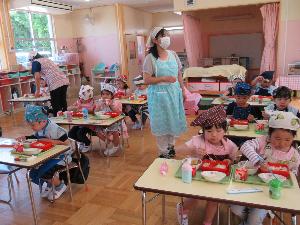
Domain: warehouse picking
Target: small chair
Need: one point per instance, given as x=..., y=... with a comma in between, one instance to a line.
x=9, y=171
x=69, y=166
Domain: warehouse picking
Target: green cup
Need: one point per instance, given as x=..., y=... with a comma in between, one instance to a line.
x=275, y=189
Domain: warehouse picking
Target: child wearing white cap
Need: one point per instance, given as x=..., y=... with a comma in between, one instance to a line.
x=275, y=147
x=79, y=133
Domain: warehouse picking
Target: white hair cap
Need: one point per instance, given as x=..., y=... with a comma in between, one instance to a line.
x=108, y=87
x=284, y=120
x=152, y=35
x=86, y=92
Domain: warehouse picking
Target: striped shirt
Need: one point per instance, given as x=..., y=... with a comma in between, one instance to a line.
x=259, y=148
x=52, y=74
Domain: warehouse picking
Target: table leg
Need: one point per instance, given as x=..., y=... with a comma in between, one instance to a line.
x=106, y=147
x=144, y=207
x=218, y=214
x=31, y=198
x=229, y=216
x=294, y=219
x=122, y=139
x=11, y=108
x=69, y=178
x=281, y=217
x=181, y=210
x=163, y=205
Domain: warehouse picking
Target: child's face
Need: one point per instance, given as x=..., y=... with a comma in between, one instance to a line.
x=265, y=83
x=214, y=135
x=241, y=100
x=43, y=83
x=141, y=86
x=106, y=95
x=235, y=81
x=282, y=103
x=37, y=126
x=120, y=84
x=281, y=140
x=85, y=101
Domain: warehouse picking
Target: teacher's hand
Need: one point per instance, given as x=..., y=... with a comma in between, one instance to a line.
x=170, y=79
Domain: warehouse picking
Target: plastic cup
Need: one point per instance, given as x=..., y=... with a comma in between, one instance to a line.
x=275, y=189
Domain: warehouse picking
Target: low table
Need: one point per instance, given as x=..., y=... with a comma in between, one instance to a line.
x=42, y=100
x=152, y=181
x=219, y=101
x=7, y=158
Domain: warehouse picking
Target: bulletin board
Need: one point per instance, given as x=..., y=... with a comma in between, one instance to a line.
x=243, y=45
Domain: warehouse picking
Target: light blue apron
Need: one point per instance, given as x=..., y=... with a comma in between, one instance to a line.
x=165, y=101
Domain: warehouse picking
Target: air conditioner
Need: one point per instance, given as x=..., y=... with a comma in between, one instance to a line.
x=190, y=2
x=52, y=4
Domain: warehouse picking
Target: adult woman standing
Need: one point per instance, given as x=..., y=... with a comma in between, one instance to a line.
x=162, y=71
x=55, y=79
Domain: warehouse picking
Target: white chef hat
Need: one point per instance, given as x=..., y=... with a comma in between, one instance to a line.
x=86, y=92
x=138, y=80
x=152, y=35
x=232, y=77
x=108, y=87
x=284, y=120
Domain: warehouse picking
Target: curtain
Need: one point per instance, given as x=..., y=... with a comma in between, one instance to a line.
x=269, y=13
x=192, y=39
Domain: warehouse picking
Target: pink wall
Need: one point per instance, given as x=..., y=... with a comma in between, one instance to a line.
x=177, y=42
x=94, y=50
x=292, y=51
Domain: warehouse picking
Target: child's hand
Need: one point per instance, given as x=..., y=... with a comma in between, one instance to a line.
x=259, y=78
x=108, y=102
x=250, y=118
x=20, y=139
x=265, y=115
x=200, y=152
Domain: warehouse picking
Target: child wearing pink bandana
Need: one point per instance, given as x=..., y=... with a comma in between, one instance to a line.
x=210, y=145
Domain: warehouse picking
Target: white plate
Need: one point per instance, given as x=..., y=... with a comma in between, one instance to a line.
x=213, y=176
x=240, y=127
x=31, y=151
x=267, y=177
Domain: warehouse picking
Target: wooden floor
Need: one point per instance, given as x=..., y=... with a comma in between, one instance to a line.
x=110, y=199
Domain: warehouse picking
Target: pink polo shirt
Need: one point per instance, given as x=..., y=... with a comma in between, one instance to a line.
x=227, y=148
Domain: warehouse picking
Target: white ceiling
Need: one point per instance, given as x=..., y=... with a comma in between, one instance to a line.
x=147, y=5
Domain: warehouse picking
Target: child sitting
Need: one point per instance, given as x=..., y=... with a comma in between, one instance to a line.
x=78, y=133
x=46, y=130
x=210, y=145
x=122, y=87
x=234, y=79
x=240, y=109
x=263, y=84
x=282, y=97
x=276, y=147
x=108, y=104
x=44, y=90
x=141, y=90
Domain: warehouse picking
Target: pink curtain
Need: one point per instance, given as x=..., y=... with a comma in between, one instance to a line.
x=192, y=39
x=269, y=13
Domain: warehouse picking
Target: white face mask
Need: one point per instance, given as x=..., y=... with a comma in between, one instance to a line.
x=165, y=42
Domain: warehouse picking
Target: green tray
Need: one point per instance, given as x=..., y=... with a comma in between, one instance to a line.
x=254, y=179
x=198, y=176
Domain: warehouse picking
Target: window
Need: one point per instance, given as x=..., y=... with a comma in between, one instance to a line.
x=32, y=31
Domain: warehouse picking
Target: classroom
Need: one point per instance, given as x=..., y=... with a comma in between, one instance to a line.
x=149, y=112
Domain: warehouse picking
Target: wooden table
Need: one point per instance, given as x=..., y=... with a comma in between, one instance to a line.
x=105, y=124
x=42, y=100
x=152, y=181
x=219, y=101
x=7, y=158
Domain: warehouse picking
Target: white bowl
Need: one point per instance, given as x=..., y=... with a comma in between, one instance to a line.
x=31, y=151
x=240, y=127
x=267, y=177
x=99, y=113
x=213, y=176
x=250, y=168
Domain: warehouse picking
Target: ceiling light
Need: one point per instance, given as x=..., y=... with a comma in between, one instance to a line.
x=178, y=13
x=52, y=4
